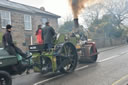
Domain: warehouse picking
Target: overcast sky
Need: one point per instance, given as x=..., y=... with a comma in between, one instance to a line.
x=59, y=7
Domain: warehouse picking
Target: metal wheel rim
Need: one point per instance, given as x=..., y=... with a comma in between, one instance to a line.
x=69, y=51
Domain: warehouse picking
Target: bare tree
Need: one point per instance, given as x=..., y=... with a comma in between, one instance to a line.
x=119, y=11
x=92, y=13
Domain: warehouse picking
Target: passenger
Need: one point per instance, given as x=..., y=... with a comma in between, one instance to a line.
x=9, y=45
x=39, y=35
x=48, y=35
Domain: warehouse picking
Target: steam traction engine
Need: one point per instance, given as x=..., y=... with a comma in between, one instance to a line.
x=66, y=52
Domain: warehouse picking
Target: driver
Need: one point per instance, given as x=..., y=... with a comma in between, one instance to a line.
x=9, y=44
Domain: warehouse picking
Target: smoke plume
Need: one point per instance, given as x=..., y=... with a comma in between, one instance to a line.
x=78, y=5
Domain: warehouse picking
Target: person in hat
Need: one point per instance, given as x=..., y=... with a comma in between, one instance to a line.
x=8, y=41
x=9, y=45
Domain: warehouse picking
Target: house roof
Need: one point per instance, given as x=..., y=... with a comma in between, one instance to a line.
x=22, y=7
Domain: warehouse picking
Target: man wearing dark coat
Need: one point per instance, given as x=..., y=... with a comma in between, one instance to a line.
x=48, y=34
x=9, y=45
x=8, y=41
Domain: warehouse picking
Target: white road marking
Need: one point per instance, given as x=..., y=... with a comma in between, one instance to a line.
x=48, y=79
x=108, y=58
x=58, y=76
x=81, y=68
x=126, y=52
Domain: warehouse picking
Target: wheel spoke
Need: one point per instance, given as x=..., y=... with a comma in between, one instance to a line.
x=68, y=52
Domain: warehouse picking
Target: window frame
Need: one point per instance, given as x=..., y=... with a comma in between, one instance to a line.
x=26, y=22
x=5, y=17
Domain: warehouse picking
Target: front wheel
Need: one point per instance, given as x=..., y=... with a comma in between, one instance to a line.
x=69, y=53
x=94, y=57
x=5, y=78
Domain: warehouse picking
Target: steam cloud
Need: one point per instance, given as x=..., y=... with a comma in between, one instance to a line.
x=78, y=5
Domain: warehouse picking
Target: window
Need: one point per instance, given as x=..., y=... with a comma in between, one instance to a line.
x=44, y=20
x=27, y=22
x=5, y=18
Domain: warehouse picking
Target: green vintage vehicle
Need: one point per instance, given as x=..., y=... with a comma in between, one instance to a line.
x=6, y=60
x=11, y=65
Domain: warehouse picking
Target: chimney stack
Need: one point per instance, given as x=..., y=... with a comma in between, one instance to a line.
x=76, y=23
x=42, y=8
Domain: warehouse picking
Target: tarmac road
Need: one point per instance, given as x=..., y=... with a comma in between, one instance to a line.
x=111, y=68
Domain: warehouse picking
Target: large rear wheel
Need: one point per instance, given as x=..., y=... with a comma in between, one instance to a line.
x=69, y=57
x=5, y=78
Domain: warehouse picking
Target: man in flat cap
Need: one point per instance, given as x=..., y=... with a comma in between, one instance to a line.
x=9, y=45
